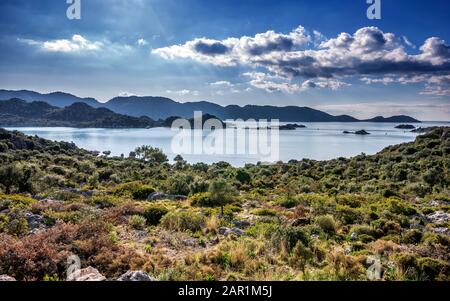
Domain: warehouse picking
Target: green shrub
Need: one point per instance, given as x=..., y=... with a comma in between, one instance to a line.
x=198, y=185
x=178, y=184
x=183, y=221
x=387, y=193
x=432, y=239
x=407, y=263
x=142, y=192
x=264, y=212
x=66, y=216
x=289, y=236
x=358, y=246
x=59, y=170
x=3, y=147
x=350, y=200
x=16, y=176
x=392, y=237
x=222, y=258
x=15, y=200
x=301, y=255
x=125, y=189
x=15, y=223
x=267, y=230
x=386, y=226
x=400, y=207
x=52, y=278
x=419, y=189
x=365, y=230
x=289, y=203
x=431, y=269
x=154, y=214
x=137, y=222
x=347, y=215
x=3, y=222
x=327, y=223
x=104, y=201
x=201, y=200
x=113, y=236
x=136, y=190
x=243, y=176
x=413, y=236
x=364, y=238
x=148, y=249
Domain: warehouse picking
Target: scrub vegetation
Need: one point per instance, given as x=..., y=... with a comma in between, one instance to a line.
x=300, y=220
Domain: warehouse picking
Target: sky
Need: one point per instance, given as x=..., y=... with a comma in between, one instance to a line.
x=322, y=54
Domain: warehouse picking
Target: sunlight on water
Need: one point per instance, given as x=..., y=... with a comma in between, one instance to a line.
x=319, y=141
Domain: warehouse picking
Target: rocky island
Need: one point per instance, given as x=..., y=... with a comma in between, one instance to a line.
x=360, y=132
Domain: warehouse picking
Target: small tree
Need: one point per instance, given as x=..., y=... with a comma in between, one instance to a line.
x=179, y=184
x=243, y=176
x=9, y=176
x=178, y=158
x=221, y=193
x=180, y=163
x=291, y=189
x=13, y=175
x=151, y=154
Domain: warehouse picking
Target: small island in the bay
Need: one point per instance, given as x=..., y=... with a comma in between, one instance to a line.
x=360, y=132
x=405, y=127
x=291, y=127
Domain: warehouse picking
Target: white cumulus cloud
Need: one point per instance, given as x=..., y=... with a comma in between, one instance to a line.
x=78, y=44
x=300, y=61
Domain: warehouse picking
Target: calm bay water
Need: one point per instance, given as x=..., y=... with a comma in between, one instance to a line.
x=319, y=141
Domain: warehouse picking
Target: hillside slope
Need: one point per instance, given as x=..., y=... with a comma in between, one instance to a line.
x=17, y=112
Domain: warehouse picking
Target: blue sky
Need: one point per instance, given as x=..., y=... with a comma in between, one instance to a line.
x=236, y=52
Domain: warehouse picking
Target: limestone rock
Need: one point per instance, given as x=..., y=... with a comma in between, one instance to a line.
x=441, y=230
x=241, y=224
x=439, y=217
x=136, y=276
x=90, y=274
x=35, y=221
x=233, y=231
x=157, y=196
x=4, y=278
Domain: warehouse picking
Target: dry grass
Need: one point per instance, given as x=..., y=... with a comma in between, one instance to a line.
x=212, y=224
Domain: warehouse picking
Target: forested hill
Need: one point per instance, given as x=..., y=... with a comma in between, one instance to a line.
x=16, y=112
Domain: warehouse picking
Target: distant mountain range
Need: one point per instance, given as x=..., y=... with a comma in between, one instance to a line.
x=57, y=99
x=158, y=108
